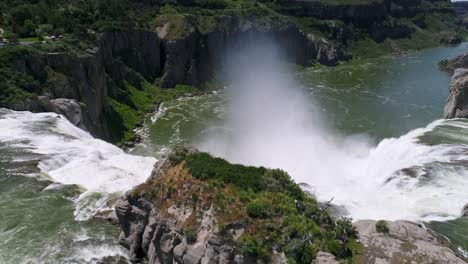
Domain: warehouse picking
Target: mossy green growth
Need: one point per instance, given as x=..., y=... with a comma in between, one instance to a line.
x=123, y=120
x=381, y=227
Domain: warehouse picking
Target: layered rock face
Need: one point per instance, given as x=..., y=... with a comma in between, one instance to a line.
x=405, y=242
x=80, y=82
x=157, y=237
x=191, y=59
x=457, y=102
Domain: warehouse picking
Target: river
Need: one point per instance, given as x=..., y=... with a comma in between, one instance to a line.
x=355, y=142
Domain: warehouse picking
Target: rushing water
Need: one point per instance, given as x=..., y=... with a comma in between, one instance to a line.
x=383, y=153
x=54, y=177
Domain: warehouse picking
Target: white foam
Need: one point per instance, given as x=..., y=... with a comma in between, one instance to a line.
x=69, y=155
x=271, y=123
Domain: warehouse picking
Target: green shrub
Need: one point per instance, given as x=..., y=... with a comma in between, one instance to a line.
x=205, y=167
x=258, y=208
x=190, y=236
x=381, y=227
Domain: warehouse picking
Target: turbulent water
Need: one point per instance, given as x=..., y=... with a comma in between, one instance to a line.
x=53, y=178
x=365, y=134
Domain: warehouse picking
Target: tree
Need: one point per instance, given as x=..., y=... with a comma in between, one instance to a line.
x=28, y=29
x=19, y=14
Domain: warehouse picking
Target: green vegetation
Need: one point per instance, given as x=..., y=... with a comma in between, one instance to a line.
x=15, y=86
x=273, y=211
x=381, y=227
x=79, y=21
x=126, y=115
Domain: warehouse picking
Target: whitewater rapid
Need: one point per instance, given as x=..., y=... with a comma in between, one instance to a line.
x=270, y=121
x=67, y=155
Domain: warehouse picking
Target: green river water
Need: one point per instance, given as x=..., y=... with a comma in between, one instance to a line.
x=42, y=222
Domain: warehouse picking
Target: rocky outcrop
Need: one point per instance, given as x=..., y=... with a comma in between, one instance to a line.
x=405, y=242
x=465, y=211
x=158, y=234
x=148, y=233
x=455, y=63
x=457, y=102
x=79, y=81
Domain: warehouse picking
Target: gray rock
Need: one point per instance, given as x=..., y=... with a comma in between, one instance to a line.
x=193, y=255
x=70, y=108
x=179, y=252
x=133, y=221
x=465, y=211
x=325, y=258
x=405, y=242
x=457, y=102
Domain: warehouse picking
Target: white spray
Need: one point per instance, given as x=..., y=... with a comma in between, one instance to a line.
x=271, y=122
